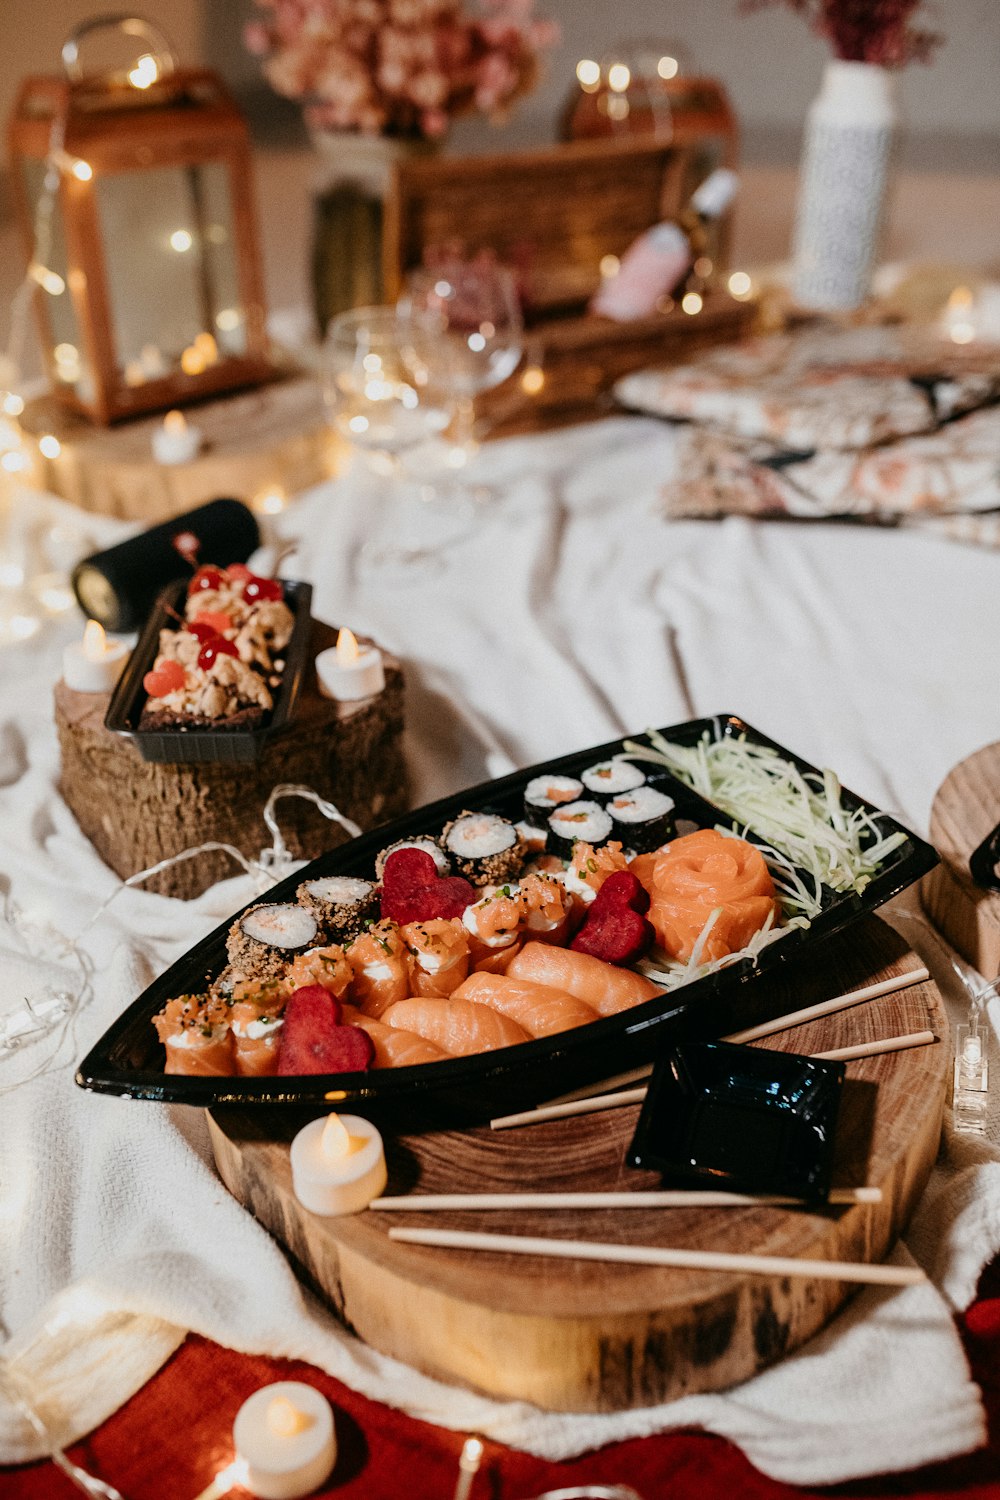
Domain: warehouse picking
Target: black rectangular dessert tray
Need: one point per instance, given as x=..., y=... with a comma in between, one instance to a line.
x=182, y=746
x=128, y=1060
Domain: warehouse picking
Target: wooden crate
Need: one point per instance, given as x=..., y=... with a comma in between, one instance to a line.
x=555, y=213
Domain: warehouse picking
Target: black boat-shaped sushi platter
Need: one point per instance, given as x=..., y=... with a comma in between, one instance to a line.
x=129, y=1060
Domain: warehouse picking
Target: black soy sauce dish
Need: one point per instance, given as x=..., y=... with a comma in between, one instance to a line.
x=740, y=1119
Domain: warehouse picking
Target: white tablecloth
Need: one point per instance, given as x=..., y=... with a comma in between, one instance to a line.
x=570, y=613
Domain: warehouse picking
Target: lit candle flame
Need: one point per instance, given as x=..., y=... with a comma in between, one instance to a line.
x=335, y=1141
x=285, y=1419
x=958, y=318
x=175, y=422
x=95, y=642
x=347, y=651
x=960, y=300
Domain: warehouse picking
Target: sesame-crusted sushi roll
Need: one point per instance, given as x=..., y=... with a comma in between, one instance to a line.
x=543, y=794
x=261, y=942
x=576, y=821
x=643, y=819
x=485, y=848
x=342, y=904
x=422, y=841
x=610, y=778
x=196, y=1036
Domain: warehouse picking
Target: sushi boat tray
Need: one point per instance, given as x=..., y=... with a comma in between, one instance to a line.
x=129, y=1059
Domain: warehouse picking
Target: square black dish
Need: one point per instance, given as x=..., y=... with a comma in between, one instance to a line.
x=177, y=745
x=129, y=1060
x=743, y=1119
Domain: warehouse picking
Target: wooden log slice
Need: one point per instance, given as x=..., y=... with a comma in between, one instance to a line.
x=966, y=809
x=578, y=1336
x=137, y=812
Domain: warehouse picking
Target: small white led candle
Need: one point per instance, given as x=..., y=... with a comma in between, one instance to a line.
x=284, y=1435
x=348, y=671
x=94, y=664
x=176, y=441
x=338, y=1165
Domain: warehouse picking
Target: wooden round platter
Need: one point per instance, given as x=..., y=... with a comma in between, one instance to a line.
x=965, y=810
x=580, y=1336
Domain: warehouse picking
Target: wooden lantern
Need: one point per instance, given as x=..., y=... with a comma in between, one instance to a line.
x=135, y=196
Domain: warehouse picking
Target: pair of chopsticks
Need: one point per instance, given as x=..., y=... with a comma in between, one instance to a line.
x=585, y=1101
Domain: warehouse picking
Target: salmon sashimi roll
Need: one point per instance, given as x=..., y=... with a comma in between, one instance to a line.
x=194, y=1030
x=701, y=874
x=589, y=868
x=540, y=1010
x=458, y=1027
x=494, y=922
x=394, y=1047
x=324, y=966
x=548, y=909
x=381, y=966
x=439, y=955
x=604, y=987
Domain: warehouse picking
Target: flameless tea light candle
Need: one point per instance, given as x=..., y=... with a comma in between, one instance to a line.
x=348, y=671
x=176, y=441
x=284, y=1436
x=338, y=1165
x=94, y=664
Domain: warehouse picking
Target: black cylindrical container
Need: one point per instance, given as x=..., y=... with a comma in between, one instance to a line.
x=119, y=586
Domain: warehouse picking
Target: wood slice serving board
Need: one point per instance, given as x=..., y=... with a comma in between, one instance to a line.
x=966, y=809
x=579, y=1336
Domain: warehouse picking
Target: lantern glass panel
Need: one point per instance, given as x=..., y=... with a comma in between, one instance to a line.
x=172, y=269
x=68, y=369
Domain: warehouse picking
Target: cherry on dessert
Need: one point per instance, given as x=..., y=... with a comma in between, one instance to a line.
x=204, y=579
x=215, y=619
x=164, y=679
x=201, y=632
x=256, y=589
x=217, y=646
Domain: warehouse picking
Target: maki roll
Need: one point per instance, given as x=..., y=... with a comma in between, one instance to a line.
x=485, y=848
x=543, y=794
x=643, y=819
x=342, y=904
x=577, y=822
x=423, y=841
x=610, y=778
x=263, y=939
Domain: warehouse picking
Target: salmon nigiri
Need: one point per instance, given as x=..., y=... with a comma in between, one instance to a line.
x=381, y=967
x=439, y=955
x=394, y=1047
x=605, y=988
x=699, y=873
x=194, y=1029
x=540, y=1010
x=459, y=1027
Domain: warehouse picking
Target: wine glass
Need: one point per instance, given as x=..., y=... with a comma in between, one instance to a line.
x=382, y=401
x=468, y=334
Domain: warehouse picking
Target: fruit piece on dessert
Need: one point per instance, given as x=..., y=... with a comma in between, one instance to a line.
x=166, y=678
x=313, y=1039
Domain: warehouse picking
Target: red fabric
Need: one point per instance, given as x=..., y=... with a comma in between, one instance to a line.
x=169, y=1441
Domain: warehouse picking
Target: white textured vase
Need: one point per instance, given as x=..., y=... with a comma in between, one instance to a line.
x=845, y=169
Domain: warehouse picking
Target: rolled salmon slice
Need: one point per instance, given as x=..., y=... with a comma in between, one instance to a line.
x=394, y=1047
x=605, y=988
x=459, y=1027
x=540, y=1010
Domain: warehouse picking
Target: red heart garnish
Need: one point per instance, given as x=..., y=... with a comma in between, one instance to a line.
x=166, y=678
x=615, y=927
x=313, y=1039
x=413, y=891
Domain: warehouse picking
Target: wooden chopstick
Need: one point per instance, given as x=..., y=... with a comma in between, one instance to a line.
x=666, y=1198
x=598, y=1102
x=768, y=1028
x=650, y=1255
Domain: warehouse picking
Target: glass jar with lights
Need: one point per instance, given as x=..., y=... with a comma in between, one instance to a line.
x=135, y=196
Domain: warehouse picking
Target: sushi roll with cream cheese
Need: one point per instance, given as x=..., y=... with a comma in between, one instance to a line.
x=261, y=941
x=610, y=778
x=423, y=841
x=342, y=904
x=543, y=794
x=485, y=848
x=575, y=822
x=643, y=819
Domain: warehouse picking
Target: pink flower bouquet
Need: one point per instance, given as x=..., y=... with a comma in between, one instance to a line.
x=871, y=31
x=398, y=67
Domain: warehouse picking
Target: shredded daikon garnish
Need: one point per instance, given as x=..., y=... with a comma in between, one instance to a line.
x=800, y=815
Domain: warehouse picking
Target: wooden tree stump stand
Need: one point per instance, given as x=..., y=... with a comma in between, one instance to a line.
x=137, y=812
x=965, y=810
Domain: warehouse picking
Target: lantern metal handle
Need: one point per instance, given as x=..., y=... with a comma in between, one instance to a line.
x=163, y=52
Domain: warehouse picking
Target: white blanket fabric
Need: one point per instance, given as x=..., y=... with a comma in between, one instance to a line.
x=571, y=613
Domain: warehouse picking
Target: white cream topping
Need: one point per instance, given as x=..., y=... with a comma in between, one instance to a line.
x=378, y=971
x=194, y=1036
x=501, y=939
x=572, y=882
x=254, y=1030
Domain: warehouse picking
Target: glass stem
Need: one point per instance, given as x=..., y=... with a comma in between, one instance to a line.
x=464, y=426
